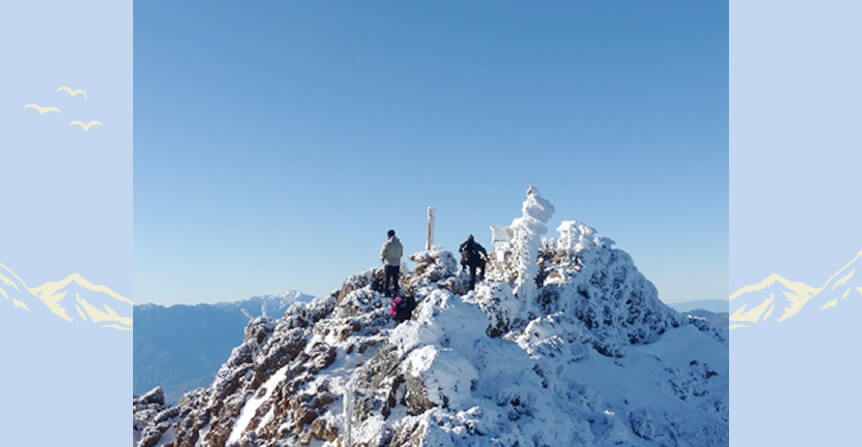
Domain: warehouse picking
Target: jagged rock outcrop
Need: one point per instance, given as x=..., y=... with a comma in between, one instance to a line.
x=151, y=417
x=593, y=358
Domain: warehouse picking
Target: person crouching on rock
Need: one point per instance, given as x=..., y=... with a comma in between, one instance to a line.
x=473, y=255
x=390, y=254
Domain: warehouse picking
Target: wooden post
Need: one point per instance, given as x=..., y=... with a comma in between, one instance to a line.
x=430, y=239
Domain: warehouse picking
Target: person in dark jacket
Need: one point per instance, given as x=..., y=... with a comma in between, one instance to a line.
x=473, y=255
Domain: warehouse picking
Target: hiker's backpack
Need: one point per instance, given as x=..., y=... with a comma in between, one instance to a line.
x=401, y=308
x=470, y=255
x=467, y=253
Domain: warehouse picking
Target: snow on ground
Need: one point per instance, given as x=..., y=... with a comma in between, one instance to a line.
x=251, y=406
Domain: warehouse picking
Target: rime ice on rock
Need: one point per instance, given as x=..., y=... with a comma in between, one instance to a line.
x=575, y=237
x=518, y=244
x=528, y=230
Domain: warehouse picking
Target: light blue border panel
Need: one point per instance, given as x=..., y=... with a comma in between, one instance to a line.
x=795, y=222
x=66, y=222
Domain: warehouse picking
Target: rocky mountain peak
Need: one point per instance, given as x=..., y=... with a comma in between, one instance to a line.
x=593, y=357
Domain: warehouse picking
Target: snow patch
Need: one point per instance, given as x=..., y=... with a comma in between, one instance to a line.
x=251, y=406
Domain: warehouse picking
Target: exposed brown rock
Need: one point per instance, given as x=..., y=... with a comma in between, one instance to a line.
x=416, y=397
x=409, y=435
x=322, y=430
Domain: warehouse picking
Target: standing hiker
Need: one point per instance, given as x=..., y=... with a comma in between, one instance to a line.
x=473, y=255
x=390, y=254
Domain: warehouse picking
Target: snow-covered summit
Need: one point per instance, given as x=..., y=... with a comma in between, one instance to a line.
x=590, y=357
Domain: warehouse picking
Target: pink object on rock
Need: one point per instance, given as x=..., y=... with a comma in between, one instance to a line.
x=393, y=307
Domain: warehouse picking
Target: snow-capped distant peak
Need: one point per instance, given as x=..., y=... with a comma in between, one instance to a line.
x=268, y=305
x=289, y=294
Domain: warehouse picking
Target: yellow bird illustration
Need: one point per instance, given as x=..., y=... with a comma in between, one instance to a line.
x=72, y=92
x=86, y=126
x=43, y=110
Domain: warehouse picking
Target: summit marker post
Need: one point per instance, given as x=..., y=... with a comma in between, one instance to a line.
x=430, y=238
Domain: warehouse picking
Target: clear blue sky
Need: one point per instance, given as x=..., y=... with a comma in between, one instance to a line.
x=276, y=142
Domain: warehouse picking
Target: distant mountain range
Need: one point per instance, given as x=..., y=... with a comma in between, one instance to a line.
x=181, y=347
x=73, y=299
x=776, y=298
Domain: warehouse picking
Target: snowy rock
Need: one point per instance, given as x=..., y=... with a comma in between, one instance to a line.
x=587, y=355
x=259, y=329
x=155, y=396
x=151, y=418
x=435, y=264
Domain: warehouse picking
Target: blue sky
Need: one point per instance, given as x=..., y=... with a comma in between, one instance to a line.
x=276, y=142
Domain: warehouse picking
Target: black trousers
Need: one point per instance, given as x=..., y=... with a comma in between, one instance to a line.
x=476, y=265
x=390, y=273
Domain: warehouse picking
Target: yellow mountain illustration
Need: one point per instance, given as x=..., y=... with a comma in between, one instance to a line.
x=13, y=289
x=96, y=304
x=795, y=295
x=756, y=303
x=20, y=304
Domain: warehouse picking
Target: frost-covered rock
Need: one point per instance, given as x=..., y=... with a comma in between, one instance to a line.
x=576, y=237
x=435, y=264
x=715, y=324
x=151, y=418
x=592, y=357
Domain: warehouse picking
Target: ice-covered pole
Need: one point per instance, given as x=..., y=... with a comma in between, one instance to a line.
x=527, y=231
x=430, y=239
x=347, y=407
